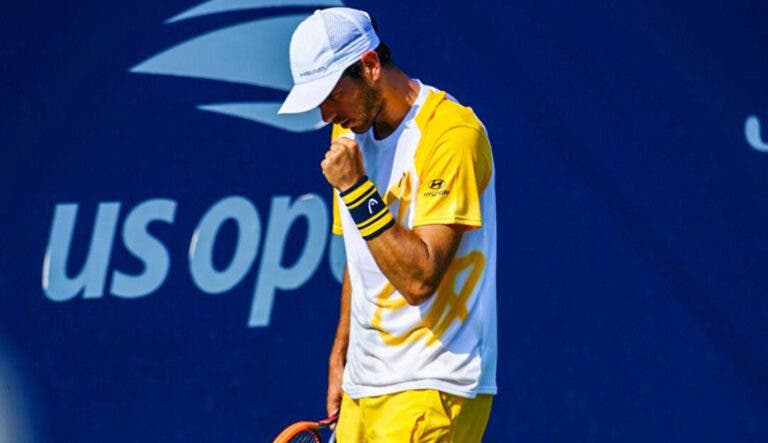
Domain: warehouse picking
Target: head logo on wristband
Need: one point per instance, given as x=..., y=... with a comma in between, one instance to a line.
x=368, y=210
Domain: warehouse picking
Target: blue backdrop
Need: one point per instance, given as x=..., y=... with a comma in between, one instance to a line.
x=165, y=263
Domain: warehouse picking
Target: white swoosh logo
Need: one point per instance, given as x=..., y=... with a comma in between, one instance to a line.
x=253, y=53
x=752, y=132
x=218, y=6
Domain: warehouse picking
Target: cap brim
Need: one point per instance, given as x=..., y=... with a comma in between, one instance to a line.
x=307, y=96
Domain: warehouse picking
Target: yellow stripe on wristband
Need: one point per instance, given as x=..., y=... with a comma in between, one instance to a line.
x=377, y=226
x=355, y=195
x=373, y=218
x=361, y=200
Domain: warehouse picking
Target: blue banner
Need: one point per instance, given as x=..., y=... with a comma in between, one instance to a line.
x=167, y=266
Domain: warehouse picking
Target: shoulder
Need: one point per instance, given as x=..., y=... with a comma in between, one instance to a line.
x=444, y=113
x=449, y=127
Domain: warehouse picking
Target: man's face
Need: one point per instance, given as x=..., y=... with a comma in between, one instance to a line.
x=353, y=104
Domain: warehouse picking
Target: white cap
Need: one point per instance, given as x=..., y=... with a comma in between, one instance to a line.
x=322, y=47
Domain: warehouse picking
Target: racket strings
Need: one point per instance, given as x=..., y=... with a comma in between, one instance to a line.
x=305, y=436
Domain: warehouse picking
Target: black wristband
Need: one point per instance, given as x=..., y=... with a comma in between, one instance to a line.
x=368, y=210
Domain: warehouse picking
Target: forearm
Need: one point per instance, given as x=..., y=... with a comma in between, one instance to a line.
x=339, y=350
x=411, y=262
x=338, y=355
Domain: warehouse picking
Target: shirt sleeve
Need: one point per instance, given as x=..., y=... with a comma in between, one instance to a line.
x=336, y=132
x=453, y=179
x=336, y=227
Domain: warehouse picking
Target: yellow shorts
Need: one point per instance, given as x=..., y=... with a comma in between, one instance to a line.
x=423, y=416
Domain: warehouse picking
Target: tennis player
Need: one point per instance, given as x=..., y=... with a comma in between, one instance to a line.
x=414, y=358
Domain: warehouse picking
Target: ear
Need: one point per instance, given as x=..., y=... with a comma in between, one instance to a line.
x=371, y=66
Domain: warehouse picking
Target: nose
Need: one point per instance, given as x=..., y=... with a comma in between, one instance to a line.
x=326, y=112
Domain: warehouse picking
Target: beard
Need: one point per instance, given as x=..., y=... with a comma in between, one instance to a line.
x=370, y=105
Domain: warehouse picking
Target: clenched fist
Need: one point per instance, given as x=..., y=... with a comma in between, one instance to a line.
x=343, y=164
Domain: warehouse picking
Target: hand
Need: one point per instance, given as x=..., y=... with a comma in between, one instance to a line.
x=343, y=164
x=333, y=401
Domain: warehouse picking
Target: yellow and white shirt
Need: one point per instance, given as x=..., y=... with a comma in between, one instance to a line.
x=436, y=168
